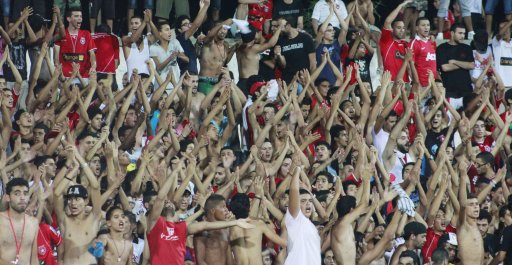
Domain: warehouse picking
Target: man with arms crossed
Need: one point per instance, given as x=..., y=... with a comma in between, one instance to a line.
x=18, y=227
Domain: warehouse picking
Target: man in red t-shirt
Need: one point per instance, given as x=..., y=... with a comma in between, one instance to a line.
x=437, y=227
x=76, y=47
x=167, y=237
x=392, y=46
x=107, y=45
x=424, y=51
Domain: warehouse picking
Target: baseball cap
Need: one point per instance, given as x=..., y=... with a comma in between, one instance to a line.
x=77, y=191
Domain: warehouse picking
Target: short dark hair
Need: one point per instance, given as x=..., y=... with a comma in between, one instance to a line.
x=110, y=211
x=92, y=112
x=292, y=21
x=306, y=101
x=484, y=215
x=456, y=26
x=392, y=113
x=330, y=178
x=213, y=201
x=439, y=256
x=319, y=80
x=413, y=228
x=336, y=130
x=420, y=19
x=41, y=125
x=137, y=16
x=179, y=21
x=72, y=9
x=163, y=23
x=347, y=183
x=344, y=205
x=240, y=205
x=487, y=157
x=411, y=254
x=324, y=143
x=15, y=182
x=39, y=160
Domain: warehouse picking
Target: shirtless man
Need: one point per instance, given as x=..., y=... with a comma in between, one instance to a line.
x=167, y=237
x=18, y=244
x=78, y=228
x=194, y=98
x=342, y=237
x=471, y=244
x=215, y=54
x=212, y=247
x=118, y=250
x=248, y=54
x=246, y=243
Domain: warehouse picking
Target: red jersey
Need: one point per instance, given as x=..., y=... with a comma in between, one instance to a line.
x=263, y=10
x=431, y=242
x=108, y=50
x=486, y=145
x=76, y=48
x=47, y=237
x=393, y=53
x=424, y=56
x=167, y=242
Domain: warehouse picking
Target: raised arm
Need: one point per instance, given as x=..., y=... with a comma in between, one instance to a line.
x=294, y=198
x=392, y=16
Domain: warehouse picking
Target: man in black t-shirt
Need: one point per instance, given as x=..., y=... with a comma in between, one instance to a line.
x=289, y=8
x=454, y=60
x=297, y=51
x=504, y=253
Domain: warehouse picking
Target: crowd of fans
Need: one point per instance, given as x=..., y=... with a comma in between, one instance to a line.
x=365, y=140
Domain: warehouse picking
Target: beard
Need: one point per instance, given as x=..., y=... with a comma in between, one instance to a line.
x=168, y=211
x=403, y=148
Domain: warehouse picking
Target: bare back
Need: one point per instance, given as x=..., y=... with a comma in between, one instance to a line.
x=343, y=244
x=7, y=239
x=77, y=235
x=246, y=244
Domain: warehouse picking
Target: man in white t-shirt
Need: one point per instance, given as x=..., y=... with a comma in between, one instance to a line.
x=321, y=12
x=303, y=239
x=165, y=53
x=502, y=49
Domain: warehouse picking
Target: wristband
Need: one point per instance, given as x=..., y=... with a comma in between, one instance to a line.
x=493, y=183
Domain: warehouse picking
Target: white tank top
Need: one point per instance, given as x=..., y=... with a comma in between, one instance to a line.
x=380, y=140
x=137, y=59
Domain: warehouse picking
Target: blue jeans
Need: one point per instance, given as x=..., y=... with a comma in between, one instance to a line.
x=490, y=6
x=6, y=8
x=148, y=4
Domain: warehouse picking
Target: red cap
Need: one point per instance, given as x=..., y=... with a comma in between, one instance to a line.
x=256, y=24
x=255, y=87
